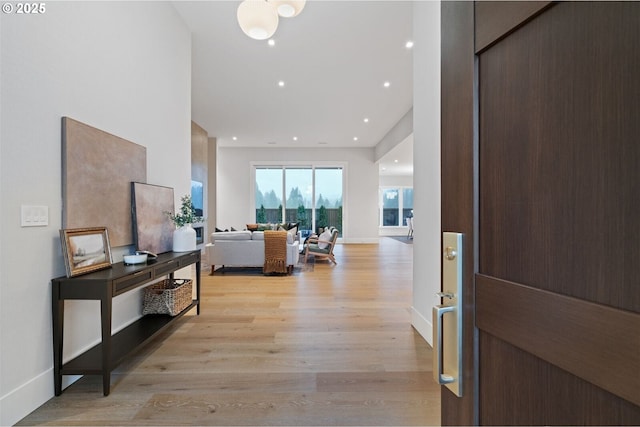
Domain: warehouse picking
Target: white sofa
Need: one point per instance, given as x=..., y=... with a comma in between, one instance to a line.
x=245, y=249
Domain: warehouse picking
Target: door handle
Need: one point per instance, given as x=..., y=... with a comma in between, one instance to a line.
x=438, y=374
x=447, y=317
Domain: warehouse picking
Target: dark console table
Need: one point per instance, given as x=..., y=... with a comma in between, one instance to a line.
x=103, y=285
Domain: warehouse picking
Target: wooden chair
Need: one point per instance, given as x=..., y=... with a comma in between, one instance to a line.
x=312, y=246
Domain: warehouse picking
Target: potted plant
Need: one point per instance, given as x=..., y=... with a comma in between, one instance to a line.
x=184, y=236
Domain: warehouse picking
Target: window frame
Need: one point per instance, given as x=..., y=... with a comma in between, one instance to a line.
x=400, y=189
x=301, y=165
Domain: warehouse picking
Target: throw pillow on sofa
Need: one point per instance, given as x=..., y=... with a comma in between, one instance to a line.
x=292, y=235
x=326, y=236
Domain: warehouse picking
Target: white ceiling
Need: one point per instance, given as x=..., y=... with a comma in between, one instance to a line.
x=333, y=58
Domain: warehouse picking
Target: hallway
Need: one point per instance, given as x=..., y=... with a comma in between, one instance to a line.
x=331, y=345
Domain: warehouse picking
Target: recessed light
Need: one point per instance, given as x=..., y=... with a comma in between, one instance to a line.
x=271, y=42
x=355, y=138
x=366, y=120
x=281, y=83
x=235, y=138
x=409, y=44
x=395, y=161
x=295, y=138
x=384, y=169
x=386, y=84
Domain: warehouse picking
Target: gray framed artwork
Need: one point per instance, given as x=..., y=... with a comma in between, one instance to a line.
x=152, y=228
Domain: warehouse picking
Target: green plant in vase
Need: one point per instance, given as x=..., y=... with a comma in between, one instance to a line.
x=184, y=237
x=187, y=214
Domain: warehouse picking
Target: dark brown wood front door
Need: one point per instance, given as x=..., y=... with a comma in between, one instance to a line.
x=548, y=108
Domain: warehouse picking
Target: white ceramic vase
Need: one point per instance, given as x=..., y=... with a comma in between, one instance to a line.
x=184, y=239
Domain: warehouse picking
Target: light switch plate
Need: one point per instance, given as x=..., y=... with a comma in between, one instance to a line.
x=34, y=216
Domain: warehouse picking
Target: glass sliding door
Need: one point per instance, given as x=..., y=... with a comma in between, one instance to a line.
x=299, y=201
x=328, y=190
x=308, y=195
x=269, y=195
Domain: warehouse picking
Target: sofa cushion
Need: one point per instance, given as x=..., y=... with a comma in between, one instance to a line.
x=231, y=235
x=259, y=235
x=315, y=248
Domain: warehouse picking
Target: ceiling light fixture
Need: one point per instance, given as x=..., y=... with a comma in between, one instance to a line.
x=271, y=42
x=409, y=44
x=295, y=138
x=235, y=138
x=281, y=83
x=258, y=19
x=387, y=84
x=355, y=138
x=288, y=8
x=366, y=120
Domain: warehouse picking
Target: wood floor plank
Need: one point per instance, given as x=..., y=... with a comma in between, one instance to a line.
x=329, y=346
x=321, y=408
x=387, y=382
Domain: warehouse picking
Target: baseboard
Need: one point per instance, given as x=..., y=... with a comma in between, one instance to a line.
x=422, y=325
x=393, y=231
x=20, y=402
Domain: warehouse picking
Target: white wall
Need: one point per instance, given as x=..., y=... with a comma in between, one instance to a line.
x=360, y=214
x=426, y=160
x=123, y=67
x=396, y=180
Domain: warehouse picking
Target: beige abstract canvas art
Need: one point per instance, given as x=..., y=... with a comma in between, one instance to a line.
x=97, y=171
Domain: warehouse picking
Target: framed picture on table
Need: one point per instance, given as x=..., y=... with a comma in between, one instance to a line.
x=85, y=250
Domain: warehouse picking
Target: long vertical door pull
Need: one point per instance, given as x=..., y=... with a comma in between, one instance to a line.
x=447, y=317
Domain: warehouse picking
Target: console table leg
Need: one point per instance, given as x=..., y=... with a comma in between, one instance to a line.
x=57, y=311
x=198, y=286
x=105, y=312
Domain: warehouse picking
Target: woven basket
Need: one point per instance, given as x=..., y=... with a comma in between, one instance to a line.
x=170, y=296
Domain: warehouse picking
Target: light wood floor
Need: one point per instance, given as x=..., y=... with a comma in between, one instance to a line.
x=331, y=346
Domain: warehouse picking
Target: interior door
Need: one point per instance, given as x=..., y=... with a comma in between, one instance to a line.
x=554, y=209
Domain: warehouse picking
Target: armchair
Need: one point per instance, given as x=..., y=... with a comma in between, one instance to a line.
x=320, y=247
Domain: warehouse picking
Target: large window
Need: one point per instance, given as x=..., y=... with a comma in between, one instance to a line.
x=311, y=196
x=269, y=195
x=396, y=205
x=299, y=190
x=328, y=197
